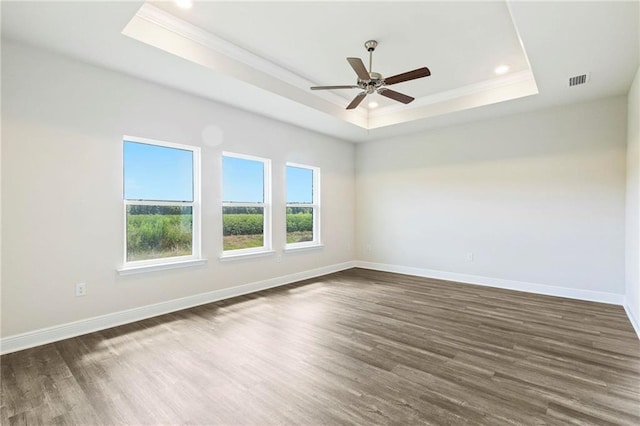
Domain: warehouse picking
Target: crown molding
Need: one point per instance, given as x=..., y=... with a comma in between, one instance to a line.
x=156, y=27
x=459, y=92
x=194, y=33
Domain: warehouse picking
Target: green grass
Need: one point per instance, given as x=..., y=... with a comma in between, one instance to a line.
x=299, y=236
x=299, y=222
x=242, y=224
x=160, y=235
x=152, y=236
x=235, y=242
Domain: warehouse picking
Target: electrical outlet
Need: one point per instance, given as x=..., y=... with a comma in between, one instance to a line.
x=470, y=257
x=81, y=289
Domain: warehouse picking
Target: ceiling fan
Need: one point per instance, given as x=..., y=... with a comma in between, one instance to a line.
x=371, y=82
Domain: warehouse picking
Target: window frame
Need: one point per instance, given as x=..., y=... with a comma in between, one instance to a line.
x=266, y=206
x=315, y=205
x=196, y=240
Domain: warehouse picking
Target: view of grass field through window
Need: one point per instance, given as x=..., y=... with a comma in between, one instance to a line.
x=300, y=204
x=243, y=181
x=163, y=174
x=242, y=227
x=299, y=224
x=156, y=232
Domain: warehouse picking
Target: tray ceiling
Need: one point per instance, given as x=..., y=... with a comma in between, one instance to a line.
x=263, y=56
x=306, y=43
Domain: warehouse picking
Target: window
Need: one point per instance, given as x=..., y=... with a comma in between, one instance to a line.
x=246, y=204
x=161, y=201
x=303, y=206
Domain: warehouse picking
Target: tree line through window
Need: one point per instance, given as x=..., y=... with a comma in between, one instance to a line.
x=162, y=203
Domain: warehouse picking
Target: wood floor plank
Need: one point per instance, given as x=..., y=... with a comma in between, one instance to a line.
x=355, y=347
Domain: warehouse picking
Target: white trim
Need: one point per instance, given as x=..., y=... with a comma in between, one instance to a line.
x=478, y=94
x=217, y=44
x=244, y=156
x=234, y=204
x=314, y=205
x=139, y=269
x=245, y=254
x=158, y=142
x=549, y=290
x=301, y=166
x=420, y=108
x=515, y=27
x=459, y=92
x=64, y=331
x=196, y=236
x=295, y=247
x=265, y=205
x=632, y=319
x=158, y=203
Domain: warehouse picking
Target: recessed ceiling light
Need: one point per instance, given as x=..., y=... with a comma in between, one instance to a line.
x=373, y=104
x=502, y=69
x=184, y=4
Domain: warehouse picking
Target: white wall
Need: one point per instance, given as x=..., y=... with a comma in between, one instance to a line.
x=537, y=198
x=632, y=297
x=62, y=221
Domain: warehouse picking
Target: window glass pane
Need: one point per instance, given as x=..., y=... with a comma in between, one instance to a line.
x=157, y=173
x=299, y=185
x=243, y=227
x=242, y=180
x=299, y=224
x=155, y=232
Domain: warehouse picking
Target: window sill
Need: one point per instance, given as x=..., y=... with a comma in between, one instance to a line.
x=240, y=256
x=290, y=249
x=130, y=270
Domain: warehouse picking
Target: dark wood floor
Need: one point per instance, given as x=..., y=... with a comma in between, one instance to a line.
x=355, y=347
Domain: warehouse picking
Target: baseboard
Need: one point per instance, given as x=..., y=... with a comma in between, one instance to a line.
x=64, y=331
x=592, y=296
x=634, y=320
x=89, y=325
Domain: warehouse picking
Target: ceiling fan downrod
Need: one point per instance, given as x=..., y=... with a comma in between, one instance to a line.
x=371, y=46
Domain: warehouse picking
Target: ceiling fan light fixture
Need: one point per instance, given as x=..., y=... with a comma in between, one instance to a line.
x=184, y=4
x=373, y=104
x=502, y=69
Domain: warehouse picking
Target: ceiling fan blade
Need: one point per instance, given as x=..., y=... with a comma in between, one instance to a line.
x=332, y=87
x=406, y=76
x=356, y=101
x=396, y=96
x=359, y=68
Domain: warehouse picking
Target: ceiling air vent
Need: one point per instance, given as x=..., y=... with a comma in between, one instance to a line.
x=578, y=80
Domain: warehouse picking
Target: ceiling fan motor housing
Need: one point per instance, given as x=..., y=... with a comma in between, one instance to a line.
x=374, y=82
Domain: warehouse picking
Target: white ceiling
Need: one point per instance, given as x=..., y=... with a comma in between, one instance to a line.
x=460, y=42
x=262, y=56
